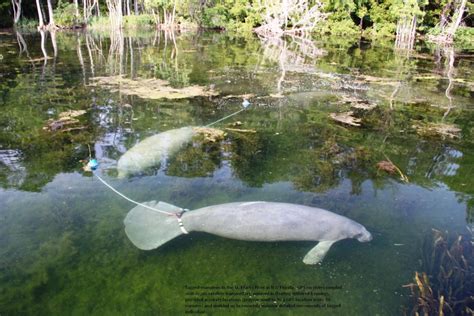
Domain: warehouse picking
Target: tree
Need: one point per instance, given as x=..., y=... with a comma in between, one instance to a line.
x=115, y=13
x=51, y=24
x=76, y=7
x=295, y=17
x=40, y=15
x=450, y=24
x=169, y=11
x=406, y=25
x=16, y=10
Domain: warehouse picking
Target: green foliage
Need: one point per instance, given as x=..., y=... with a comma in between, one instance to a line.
x=27, y=24
x=99, y=23
x=216, y=17
x=65, y=15
x=339, y=23
x=464, y=37
x=142, y=20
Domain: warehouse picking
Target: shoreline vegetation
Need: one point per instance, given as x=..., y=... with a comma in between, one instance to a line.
x=442, y=22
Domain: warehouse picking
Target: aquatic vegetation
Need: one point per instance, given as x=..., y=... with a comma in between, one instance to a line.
x=66, y=122
x=446, y=285
x=150, y=88
x=442, y=130
x=209, y=135
x=346, y=118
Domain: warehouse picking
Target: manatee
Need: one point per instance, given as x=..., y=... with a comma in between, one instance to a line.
x=252, y=221
x=152, y=150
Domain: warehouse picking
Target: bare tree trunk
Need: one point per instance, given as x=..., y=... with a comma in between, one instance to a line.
x=448, y=30
x=16, y=10
x=128, y=7
x=174, y=13
x=444, y=15
x=406, y=32
x=455, y=24
x=40, y=15
x=84, y=9
x=115, y=13
x=76, y=7
x=136, y=7
x=51, y=23
x=96, y=2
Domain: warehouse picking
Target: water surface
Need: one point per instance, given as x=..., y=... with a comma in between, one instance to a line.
x=63, y=247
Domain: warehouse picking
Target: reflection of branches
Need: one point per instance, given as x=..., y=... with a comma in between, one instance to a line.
x=401, y=76
x=89, y=50
x=12, y=160
x=292, y=17
x=295, y=55
x=81, y=60
x=449, y=54
x=53, y=42
x=45, y=54
x=116, y=50
x=95, y=48
x=22, y=44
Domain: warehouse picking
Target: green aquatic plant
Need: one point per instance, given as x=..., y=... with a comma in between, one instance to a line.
x=446, y=285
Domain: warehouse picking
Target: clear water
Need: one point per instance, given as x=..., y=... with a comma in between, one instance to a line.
x=63, y=249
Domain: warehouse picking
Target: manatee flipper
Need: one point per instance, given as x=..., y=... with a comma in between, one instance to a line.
x=148, y=229
x=317, y=254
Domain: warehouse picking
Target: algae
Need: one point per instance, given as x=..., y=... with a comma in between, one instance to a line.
x=346, y=118
x=150, y=88
x=443, y=130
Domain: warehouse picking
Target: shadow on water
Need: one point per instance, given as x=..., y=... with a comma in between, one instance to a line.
x=63, y=248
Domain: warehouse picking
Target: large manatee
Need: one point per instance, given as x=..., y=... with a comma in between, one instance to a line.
x=253, y=221
x=152, y=150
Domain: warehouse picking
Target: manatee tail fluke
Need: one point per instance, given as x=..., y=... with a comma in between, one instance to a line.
x=148, y=229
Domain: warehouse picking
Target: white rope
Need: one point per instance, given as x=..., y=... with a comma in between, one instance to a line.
x=225, y=117
x=130, y=200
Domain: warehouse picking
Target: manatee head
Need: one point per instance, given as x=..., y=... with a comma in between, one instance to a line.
x=363, y=235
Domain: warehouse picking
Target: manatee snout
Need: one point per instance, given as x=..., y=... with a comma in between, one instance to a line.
x=364, y=235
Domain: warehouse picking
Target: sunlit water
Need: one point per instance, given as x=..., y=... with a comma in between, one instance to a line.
x=63, y=249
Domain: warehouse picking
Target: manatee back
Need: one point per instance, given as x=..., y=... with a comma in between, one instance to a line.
x=270, y=221
x=152, y=150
